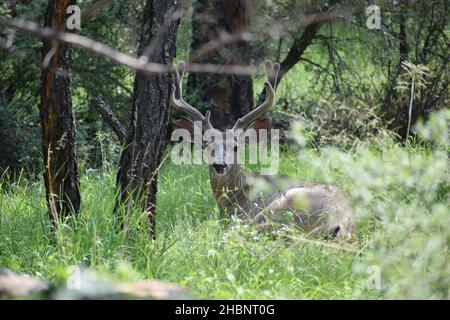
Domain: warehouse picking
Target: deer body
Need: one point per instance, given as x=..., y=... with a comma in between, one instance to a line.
x=314, y=208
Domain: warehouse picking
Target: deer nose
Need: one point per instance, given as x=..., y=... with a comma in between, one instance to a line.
x=219, y=167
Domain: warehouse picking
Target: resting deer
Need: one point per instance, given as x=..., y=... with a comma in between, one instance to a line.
x=324, y=209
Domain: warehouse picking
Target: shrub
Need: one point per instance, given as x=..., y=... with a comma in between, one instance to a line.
x=401, y=198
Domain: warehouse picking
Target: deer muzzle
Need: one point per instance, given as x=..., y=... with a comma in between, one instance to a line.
x=219, y=168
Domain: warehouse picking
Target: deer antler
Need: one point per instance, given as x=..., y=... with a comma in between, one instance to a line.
x=180, y=104
x=272, y=75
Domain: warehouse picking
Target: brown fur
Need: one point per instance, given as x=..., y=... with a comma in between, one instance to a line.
x=316, y=208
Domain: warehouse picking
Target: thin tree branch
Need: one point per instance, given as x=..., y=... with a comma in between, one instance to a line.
x=315, y=64
x=109, y=117
x=103, y=50
x=299, y=46
x=313, y=23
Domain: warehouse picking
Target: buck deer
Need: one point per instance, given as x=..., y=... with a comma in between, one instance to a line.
x=323, y=209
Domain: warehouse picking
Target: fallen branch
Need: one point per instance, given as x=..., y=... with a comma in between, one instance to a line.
x=109, y=117
x=90, y=285
x=100, y=49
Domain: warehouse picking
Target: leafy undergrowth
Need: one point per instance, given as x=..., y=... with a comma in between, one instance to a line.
x=400, y=195
x=213, y=258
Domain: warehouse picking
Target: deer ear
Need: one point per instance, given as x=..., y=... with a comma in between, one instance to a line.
x=186, y=124
x=261, y=124
x=189, y=126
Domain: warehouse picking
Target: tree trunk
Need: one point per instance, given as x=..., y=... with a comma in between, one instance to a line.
x=141, y=158
x=402, y=35
x=399, y=123
x=227, y=96
x=57, y=119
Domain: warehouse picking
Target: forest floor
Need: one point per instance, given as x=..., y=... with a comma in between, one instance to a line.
x=212, y=257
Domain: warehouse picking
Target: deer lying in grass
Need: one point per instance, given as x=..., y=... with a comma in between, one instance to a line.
x=314, y=208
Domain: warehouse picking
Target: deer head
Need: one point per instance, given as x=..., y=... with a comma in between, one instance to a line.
x=327, y=211
x=224, y=165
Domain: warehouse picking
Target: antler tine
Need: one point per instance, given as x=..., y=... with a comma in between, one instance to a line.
x=272, y=74
x=179, y=103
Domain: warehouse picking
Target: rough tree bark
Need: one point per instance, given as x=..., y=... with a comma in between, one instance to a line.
x=141, y=157
x=227, y=96
x=57, y=119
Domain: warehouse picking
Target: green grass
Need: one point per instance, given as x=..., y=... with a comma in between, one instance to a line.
x=213, y=258
x=400, y=195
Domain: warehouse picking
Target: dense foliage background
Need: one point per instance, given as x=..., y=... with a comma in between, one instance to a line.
x=345, y=83
x=367, y=111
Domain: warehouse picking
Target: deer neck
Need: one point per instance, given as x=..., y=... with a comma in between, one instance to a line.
x=231, y=192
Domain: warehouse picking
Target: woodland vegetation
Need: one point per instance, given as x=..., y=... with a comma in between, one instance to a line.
x=86, y=120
